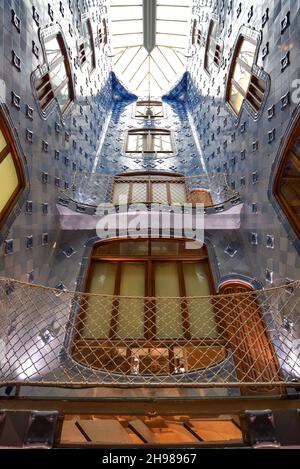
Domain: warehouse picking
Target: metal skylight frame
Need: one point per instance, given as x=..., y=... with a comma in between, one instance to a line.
x=149, y=74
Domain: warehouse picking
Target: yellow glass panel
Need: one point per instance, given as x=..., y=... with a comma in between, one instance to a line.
x=168, y=311
x=159, y=193
x=131, y=310
x=236, y=99
x=242, y=77
x=247, y=52
x=121, y=191
x=3, y=142
x=201, y=314
x=9, y=180
x=178, y=194
x=99, y=310
x=139, y=192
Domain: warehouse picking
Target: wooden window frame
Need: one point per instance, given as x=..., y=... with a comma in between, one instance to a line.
x=150, y=103
x=46, y=100
x=83, y=56
x=150, y=132
x=285, y=207
x=214, y=51
x=149, y=295
x=146, y=178
x=256, y=85
x=12, y=149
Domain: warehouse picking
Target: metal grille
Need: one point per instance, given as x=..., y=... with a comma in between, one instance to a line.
x=94, y=189
x=52, y=337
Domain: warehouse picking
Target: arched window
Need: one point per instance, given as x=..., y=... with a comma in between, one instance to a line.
x=148, y=309
x=149, y=141
x=244, y=84
x=214, y=48
x=57, y=82
x=287, y=183
x=149, y=109
x=12, y=180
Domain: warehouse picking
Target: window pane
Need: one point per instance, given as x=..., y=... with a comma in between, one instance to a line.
x=63, y=96
x=159, y=193
x=201, y=313
x=178, y=193
x=120, y=196
x=2, y=141
x=9, y=180
x=139, y=192
x=53, y=50
x=131, y=310
x=168, y=313
x=247, y=52
x=236, y=99
x=137, y=142
x=164, y=248
x=242, y=77
x=58, y=75
x=161, y=143
x=98, y=312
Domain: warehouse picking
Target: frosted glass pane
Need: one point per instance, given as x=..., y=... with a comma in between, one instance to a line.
x=168, y=313
x=242, y=77
x=121, y=190
x=164, y=248
x=2, y=141
x=98, y=311
x=201, y=314
x=131, y=310
x=159, y=193
x=247, y=52
x=53, y=50
x=139, y=192
x=236, y=99
x=178, y=194
x=9, y=180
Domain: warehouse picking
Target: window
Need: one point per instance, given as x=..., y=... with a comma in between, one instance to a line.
x=159, y=188
x=86, y=47
x=102, y=33
x=57, y=82
x=196, y=34
x=243, y=84
x=213, y=51
x=12, y=180
x=287, y=184
x=134, y=312
x=149, y=141
x=149, y=109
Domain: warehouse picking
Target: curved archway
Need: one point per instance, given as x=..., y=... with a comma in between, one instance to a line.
x=252, y=349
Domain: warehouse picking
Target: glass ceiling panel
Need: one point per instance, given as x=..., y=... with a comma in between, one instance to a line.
x=155, y=73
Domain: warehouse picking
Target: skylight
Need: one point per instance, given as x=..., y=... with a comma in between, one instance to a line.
x=149, y=74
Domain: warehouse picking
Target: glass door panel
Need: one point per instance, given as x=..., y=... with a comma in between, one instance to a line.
x=98, y=311
x=168, y=310
x=201, y=314
x=178, y=194
x=121, y=191
x=131, y=310
x=139, y=192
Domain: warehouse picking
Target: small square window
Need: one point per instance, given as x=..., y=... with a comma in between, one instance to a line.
x=149, y=109
x=155, y=141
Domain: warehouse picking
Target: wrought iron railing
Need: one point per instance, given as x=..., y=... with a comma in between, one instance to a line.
x=58, y=338
x=89, y=190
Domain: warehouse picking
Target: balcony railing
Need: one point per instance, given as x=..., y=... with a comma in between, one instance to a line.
x=89, y=190
x=56, y=338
